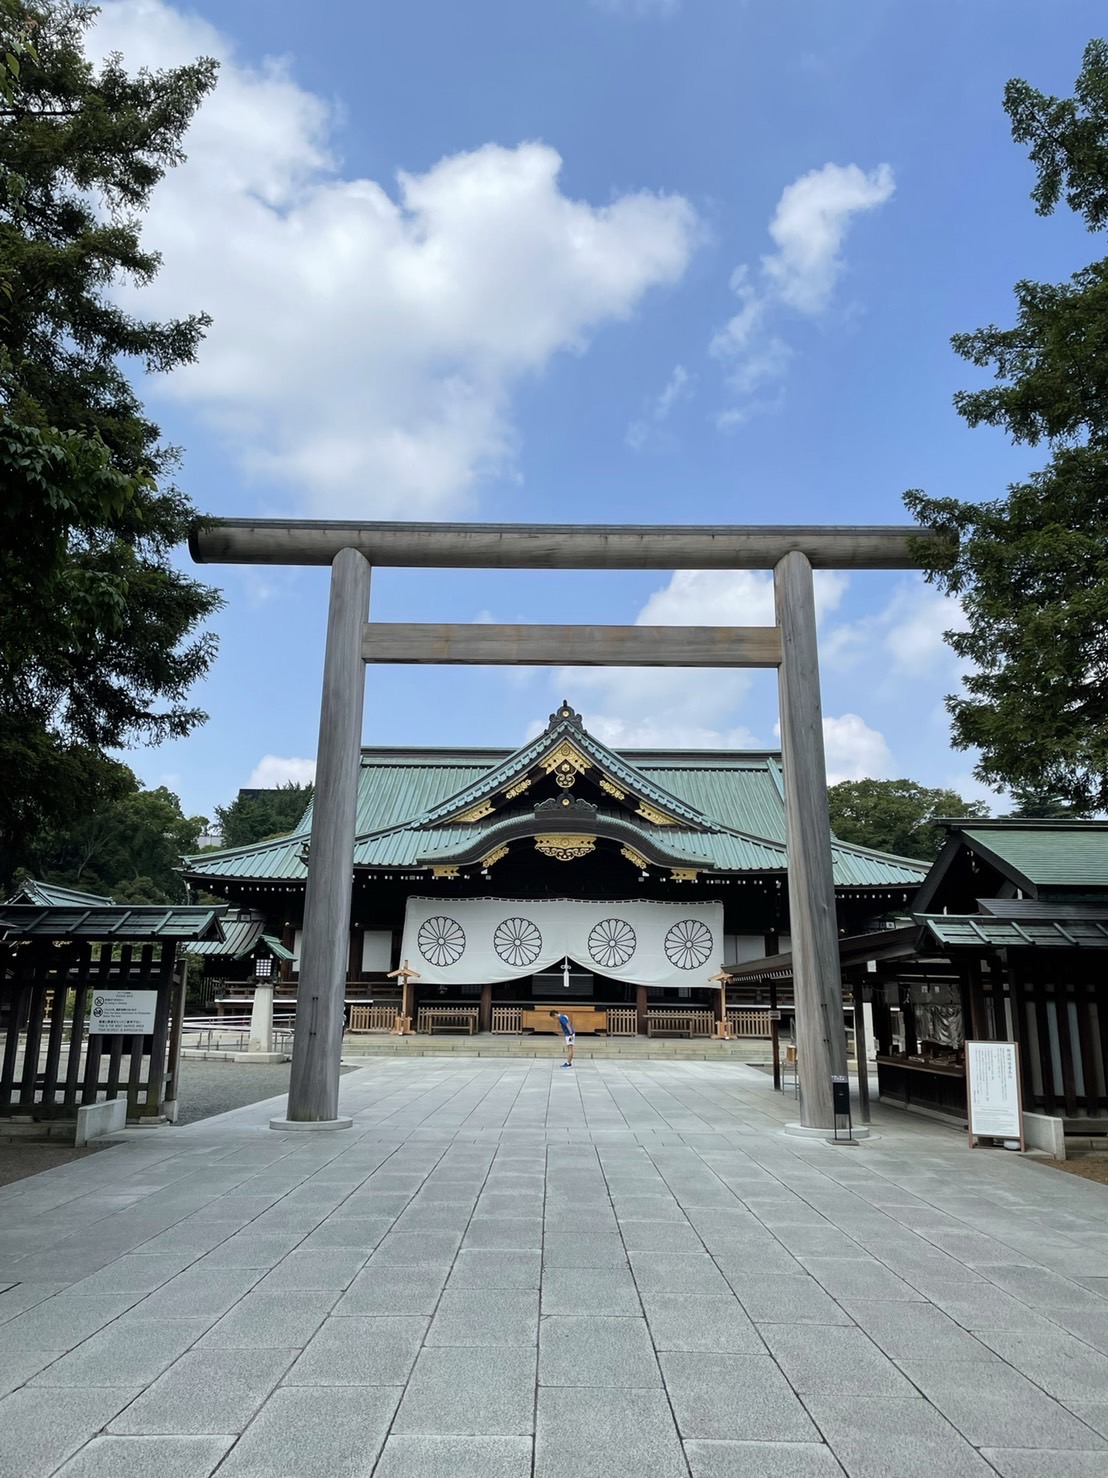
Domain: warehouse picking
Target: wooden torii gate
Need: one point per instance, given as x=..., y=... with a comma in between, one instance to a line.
x=352, y=549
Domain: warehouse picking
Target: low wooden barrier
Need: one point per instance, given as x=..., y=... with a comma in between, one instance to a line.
x=373, y=1018
x=447, y=1019
x=623, y=1021
x=507, y=1018
x=661, y=1023
x=746, y=1021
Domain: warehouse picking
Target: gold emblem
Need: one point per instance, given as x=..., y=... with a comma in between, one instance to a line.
x=518, y=788
x=494, y=856
x=564, y=848
x=476, y=813
x=633, y=858
x=611, y=788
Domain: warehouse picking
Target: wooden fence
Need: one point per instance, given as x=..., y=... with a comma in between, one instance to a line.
x=507, y=1018
x=372, y=1019
x=623, y=1021
x=746, y=1021
x=51, y=1064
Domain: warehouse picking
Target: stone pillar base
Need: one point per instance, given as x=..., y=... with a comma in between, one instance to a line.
x=309, y=1126
x=811, y=1131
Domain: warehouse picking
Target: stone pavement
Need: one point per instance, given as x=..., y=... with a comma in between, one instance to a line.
x=509, y=1269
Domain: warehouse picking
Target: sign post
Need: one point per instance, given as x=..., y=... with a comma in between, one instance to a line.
x=123, y=1013
x=993, y=1096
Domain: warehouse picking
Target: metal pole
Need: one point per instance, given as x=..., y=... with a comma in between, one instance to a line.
x=820, y=1031
x=317, y=1040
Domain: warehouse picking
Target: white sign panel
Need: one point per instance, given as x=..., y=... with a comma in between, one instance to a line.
x=993, y=1090
x=125, y=1013
x=470, y=941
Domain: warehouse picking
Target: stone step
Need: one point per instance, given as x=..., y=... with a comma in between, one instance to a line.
x=489, y=1045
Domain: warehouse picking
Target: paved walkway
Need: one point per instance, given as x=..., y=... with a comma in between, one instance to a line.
x=509, y=1269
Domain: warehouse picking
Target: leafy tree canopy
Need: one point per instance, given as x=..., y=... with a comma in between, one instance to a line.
x=895, y=815
x=1031, y=568
x=256, y=814
x=99, y=641
x=129, y=848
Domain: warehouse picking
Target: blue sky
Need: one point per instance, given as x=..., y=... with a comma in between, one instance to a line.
x=691, y=261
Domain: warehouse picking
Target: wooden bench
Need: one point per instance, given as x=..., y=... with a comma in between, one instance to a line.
x=447, y=1019
x=678, y=1023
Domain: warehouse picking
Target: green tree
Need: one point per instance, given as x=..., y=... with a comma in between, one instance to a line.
x=1034, y=803
x=896, y=816
x=256, y=814
x=1031, y=568
x=130, y=848
x=99, y=633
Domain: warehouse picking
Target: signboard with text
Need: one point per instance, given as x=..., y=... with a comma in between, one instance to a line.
x=993, y=1091
x=126, y=1013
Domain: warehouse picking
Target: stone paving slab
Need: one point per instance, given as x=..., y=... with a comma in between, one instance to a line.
x=498, y=1273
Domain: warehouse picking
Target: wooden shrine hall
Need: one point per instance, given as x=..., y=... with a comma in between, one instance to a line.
x=559, y=873
x=1004, y=941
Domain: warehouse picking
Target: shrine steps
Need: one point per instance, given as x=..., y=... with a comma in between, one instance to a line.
x=488, y=1044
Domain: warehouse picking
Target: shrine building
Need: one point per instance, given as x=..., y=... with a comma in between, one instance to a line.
x=510, y=881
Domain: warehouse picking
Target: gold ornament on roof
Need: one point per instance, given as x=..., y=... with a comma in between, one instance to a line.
x=518, y=788
x=493, y=857
x=633, y=858
x=564, y=848
x=476, y=813
x=564, y=754
x=444, y=872
x=652, y=813
x=611, y=788
x=683, y=874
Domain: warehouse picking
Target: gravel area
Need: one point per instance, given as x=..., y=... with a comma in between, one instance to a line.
x=1089, y=1167
x=17, y=1161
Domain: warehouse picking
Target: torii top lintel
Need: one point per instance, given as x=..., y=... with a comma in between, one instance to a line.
x=524, y=546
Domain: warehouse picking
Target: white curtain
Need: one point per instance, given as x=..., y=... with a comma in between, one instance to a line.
x=470, y=941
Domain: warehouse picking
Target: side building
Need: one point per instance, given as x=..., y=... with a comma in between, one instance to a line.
x=559, y=871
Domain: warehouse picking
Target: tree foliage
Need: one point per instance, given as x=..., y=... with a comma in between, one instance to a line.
x=99, y=640
x=130, y=848
x=256, y=814
x=896, y=816
x=1031, y=568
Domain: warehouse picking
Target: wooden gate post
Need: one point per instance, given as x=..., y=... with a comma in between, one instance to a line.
x=820, y=1031
x=320, y=995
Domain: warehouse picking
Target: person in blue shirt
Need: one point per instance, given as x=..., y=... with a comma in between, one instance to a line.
x=569, y=1034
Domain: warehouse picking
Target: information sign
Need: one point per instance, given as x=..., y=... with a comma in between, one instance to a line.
x=993, y=1091
x=126, y=1013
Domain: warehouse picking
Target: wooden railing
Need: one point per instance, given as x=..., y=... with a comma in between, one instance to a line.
x=678, y=1023
x=623, y=1021
x=747, y=1021
x=447, y=1018
x=507, y=1018
x=372, y=1019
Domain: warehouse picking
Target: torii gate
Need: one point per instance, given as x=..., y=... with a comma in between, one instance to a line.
x=352, y=549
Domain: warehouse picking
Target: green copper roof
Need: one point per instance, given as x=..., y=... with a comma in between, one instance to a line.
x=54, y=895
x=1045, y=854
x=729, y=805
x=982, y=932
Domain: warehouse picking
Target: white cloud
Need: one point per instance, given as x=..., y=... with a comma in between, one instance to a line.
x=273, y=770
x=686, y=707
x=904, y=639
x=808, y=228
x=646, y=431
x=365, y=342
x=853, y=750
